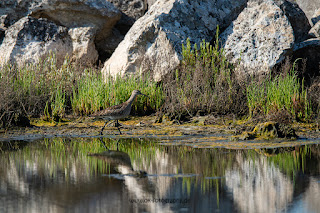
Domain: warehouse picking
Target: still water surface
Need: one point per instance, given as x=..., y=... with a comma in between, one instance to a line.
x=132, y=175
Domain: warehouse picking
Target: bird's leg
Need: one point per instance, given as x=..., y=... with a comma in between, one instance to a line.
x=118, y=145
x=103, y=127
x=117, y=125
x=103, y=143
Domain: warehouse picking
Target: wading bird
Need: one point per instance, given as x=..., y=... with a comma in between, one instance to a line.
x=118, y=111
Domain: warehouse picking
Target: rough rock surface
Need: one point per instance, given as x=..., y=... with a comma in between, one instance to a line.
x=259, y=38
x=69, y=13
x=154, y=41
x=11, y=12
x=98, y=15
x=31, y=39
x=131, y=10
x=309, y=7
x=84, y=50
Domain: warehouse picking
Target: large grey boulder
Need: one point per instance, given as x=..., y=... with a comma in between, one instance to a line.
x=69, y=13
x=131, y=10
x=11, y=12
x=259, y=38
x=100, y=15
x=89, y=22
x=154, y=41
x=83, y=47
x=150, y=3
x=31, y=39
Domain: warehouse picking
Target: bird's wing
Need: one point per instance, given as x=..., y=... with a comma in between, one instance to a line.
x=116, y=107
x=109, y=111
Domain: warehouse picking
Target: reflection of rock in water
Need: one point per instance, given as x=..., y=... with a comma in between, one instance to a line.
x=312, y=195
x=161, y=164
x=138, y=188
x=258, y=186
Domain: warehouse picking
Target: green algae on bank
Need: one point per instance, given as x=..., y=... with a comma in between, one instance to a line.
x=189, y=134
x=266, y=131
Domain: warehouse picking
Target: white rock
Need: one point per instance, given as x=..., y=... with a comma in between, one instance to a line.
x=154, y=41
x=84, y=50
x=259, y=38
x=89, y=22
x=30, y=39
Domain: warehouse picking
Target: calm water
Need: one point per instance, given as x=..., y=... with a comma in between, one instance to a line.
x=80, y=175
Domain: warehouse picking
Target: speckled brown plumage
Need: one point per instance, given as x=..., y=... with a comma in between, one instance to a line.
x=118, y=111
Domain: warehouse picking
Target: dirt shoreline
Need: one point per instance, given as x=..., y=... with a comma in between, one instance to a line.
x=195, y=133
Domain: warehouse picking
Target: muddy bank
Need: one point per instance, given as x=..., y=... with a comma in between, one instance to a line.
x=201, y=132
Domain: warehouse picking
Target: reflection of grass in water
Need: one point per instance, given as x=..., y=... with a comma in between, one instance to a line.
x=210, y=163
x=79, y=148
x=68, y=158
x=292, y=161
x=139, y=151
x=58, y=157
x=289, y=160
x=206, y=162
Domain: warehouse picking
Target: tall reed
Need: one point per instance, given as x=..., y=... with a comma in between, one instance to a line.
x=93, y=93
x=51, y=91
x=282, y=92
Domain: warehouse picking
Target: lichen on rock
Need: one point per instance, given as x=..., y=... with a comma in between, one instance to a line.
x=268, y=130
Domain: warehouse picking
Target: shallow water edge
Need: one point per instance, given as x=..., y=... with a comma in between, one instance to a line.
x=194, y=133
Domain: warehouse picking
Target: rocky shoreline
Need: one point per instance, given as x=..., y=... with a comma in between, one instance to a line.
x=140, y=36
x=224, y=133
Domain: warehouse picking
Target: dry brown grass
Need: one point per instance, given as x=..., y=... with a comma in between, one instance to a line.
x=203, y=84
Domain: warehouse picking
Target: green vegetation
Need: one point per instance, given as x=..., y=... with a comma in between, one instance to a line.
x=78, y=160
x=282, y=92
x=204, y=83
x=92, y=93
x=44, y=89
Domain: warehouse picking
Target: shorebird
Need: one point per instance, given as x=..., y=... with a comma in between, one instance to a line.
x=118, y=111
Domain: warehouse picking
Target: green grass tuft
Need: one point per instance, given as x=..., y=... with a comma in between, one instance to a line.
x=93, y=93
x=282, y=92
x=46, y=90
